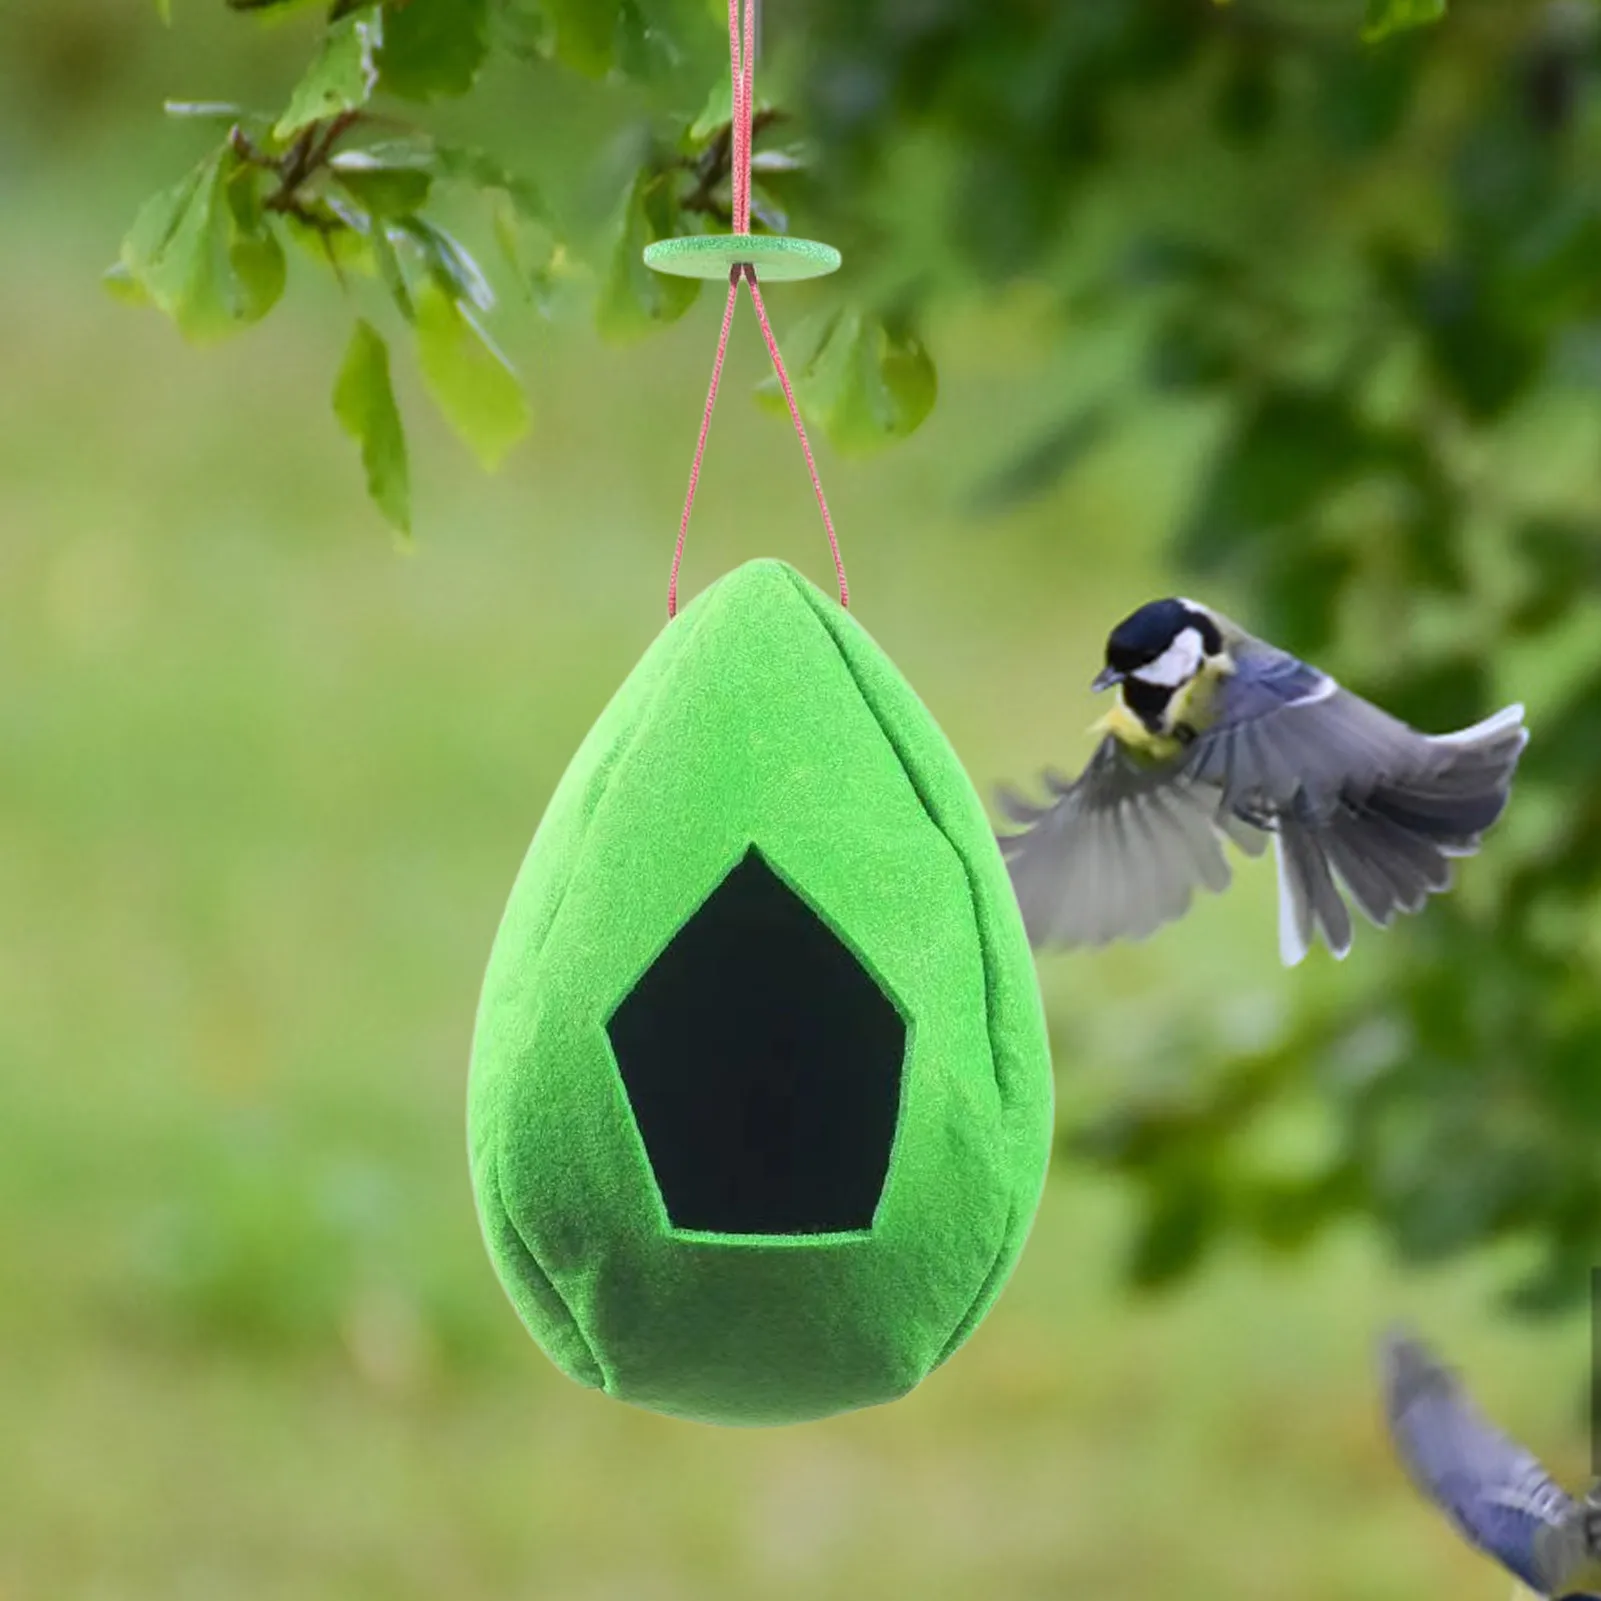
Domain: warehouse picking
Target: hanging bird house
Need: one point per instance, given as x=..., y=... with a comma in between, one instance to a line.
x=760, y=1104
x=761, y=1096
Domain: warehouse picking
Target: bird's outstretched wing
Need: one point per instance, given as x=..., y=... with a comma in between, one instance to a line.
x=1493, y=1490
x=1352, y=798
x=1284, y=729
x=1117, y=852
x=1355, y=796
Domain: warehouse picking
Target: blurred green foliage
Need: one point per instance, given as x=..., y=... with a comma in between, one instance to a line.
x=1365, y=250
x=1375, y=264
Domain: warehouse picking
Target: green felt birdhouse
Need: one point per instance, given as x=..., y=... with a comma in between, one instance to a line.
x=760, y=1101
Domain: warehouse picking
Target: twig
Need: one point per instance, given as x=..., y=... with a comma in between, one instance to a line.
x=713, y=164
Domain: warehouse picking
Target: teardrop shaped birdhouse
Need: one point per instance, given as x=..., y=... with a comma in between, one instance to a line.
x=761, y=1100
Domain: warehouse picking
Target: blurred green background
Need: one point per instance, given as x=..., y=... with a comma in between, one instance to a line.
x=265, y=780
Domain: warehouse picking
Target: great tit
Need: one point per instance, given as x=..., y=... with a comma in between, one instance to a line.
x=1496, y=1493
x=1218, y=735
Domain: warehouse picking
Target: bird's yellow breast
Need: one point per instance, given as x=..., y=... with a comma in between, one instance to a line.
x=1133, y=735
x=1191, y=707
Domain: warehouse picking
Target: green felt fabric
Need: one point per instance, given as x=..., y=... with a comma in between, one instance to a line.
x=763, y=714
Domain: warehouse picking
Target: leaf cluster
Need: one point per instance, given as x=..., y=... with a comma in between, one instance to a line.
x=347, y=177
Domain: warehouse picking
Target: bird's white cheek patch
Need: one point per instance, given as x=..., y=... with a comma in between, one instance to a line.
x=1176, y=665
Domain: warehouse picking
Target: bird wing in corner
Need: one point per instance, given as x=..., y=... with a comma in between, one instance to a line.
x=1495, y=1492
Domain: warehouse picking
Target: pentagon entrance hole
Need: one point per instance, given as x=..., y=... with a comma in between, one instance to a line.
x=763, y=1066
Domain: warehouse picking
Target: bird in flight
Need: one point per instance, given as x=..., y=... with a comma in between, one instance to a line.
x=1495, y=1492
x=1216, y=735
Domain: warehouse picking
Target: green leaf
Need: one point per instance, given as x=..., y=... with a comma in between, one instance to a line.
x=223, y=111
x=910, y=385
x=447, y=262
x=585, y=34
x=634, y=300
x=1385, y=17
x=432, y=49
x=804, y=344
x=204, y=252
x=467, y=164
x=364, y=403
x=530, y=252
x=470, y=381
x=255, y=253
x=165, y=251
x=639, y=40
x=340, y=237
x=387, y=260
x=164, y=11
x=382, y=188
x=341, y=77
x=867, y=381
x=644, y=50
x=122, y=285
x=520, y=29
x=717, y=113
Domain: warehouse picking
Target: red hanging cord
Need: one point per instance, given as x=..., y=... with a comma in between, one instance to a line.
x=742, y=71
x=700, y=444
x=744, y=112
x=800, y=429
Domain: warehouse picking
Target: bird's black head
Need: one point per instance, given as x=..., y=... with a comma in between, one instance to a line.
x=1144, y=637
x=1153, y=652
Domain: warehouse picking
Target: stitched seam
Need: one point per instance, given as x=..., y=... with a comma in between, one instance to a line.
x=985, y=953
x=600, y=1379
x=986, y=1292
x=1008, y=1249
x=607, y=768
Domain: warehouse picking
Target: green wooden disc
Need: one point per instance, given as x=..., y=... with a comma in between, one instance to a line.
x=711, y=255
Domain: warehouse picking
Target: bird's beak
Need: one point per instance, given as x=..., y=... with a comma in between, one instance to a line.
x=1105, y=679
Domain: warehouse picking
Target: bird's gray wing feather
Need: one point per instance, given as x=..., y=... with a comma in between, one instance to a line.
x=1356, y=797
x=1116, y=853
x=1353, y=797
x=1493, y=1490
x=1308, y=897
x=1284, y=729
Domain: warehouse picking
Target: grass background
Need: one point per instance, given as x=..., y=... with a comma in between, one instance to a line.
x=264, y=784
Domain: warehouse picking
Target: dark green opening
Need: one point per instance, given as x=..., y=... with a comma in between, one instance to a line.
x=763, y=1065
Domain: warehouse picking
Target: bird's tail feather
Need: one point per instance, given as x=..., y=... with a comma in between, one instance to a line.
x=1504, y=725
x=1309, y=900
x=1387, y=867
x=1462, y=788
